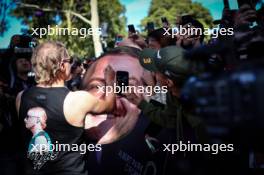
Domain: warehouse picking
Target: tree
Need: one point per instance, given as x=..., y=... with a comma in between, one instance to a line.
x=172, y=9
x=73, y=14
x=5, y=6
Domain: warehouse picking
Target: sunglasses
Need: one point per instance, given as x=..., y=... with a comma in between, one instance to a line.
x=68, y=60
x=85, y=66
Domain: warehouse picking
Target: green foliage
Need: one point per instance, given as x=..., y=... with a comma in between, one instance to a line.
x=112, y=13
x=171, y=9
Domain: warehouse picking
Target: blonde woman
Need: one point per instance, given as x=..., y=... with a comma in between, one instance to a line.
x=65, y=110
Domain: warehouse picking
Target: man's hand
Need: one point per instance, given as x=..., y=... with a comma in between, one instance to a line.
x=134, y=40
x=133, y=98
x=109, y=75
x=245, y=15
x=228, y=17
x=149, y=78
x=139, y=40
x=105, y=131
x=179, y=41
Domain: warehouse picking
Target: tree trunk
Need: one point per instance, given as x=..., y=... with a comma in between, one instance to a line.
x=68, y=17
x=95, y=25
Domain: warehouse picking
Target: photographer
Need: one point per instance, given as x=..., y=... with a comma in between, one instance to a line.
x=158, y=39
x=20, y=67
x=16, y=66
x=193, y=40
x=169, y=64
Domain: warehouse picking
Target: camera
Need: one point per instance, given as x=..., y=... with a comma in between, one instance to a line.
x=228, y=101
x=150, y=27
x=165, y=22
x=122, y=79
x=131, y=29
x=21, y=46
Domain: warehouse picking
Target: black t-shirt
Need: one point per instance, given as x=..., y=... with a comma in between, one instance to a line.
x=56, y=132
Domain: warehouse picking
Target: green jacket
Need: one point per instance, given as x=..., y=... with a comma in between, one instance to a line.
x=171, y=117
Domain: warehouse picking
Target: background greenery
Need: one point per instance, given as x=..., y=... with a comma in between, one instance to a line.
x=110, y=11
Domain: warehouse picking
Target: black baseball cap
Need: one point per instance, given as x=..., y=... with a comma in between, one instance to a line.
x=169, y=61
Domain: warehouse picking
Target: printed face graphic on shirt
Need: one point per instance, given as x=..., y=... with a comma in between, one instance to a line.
x=40, y=146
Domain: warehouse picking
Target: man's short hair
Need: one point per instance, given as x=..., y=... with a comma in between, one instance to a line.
x=123, y=50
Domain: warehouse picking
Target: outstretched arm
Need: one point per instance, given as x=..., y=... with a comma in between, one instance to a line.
x=77, y=104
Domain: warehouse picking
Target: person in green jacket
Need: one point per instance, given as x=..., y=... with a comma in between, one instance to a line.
x=169, y=66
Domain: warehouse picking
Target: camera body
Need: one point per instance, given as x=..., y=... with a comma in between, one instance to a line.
x=229, y=99
x=122, y=79
x=21, y=46
x=131, y=29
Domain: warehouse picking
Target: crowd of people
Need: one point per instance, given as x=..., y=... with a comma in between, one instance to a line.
x=49, y=96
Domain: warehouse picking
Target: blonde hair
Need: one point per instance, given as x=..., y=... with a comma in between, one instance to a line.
x=46, y=59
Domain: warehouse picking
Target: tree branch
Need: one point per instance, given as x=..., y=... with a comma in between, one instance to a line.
x=78, y=15
x=38, y=7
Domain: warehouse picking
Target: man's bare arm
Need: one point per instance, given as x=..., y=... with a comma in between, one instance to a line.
x=77, y=104
x=108, y=103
